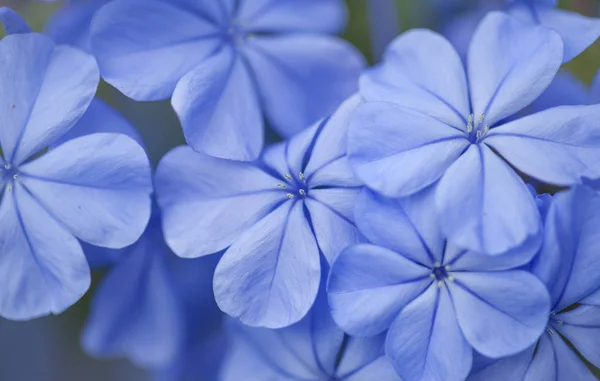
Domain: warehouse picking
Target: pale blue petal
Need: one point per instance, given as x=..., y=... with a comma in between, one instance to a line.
x=565, y=89
x=302, y=78
x=42, y=265
x=276, y=265
x=98, y=186
x=135, y=311
x=100, y=117
x=569, y=365
x=208, y=202
x=369, y=285
x=578, y=32
x=330, y=212
x=582, y=328
x=45, y=91
x=425, y=342
x=406, y=226
x=399, y=152
x=510, y=64
x=359, y=353
x=273, y=16
x=379, y=369
x=497, y=326
x=421, y=71
x=507, y=369
x=219, y=109
x=543, y=366
x=556, y=146
x=70, y=24
x=144, y=47
x=12, y=22
x=495, y=210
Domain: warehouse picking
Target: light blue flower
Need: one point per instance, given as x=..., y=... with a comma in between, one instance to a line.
x=95, y=188
x=226, y=63
x=577, y=32
x=314, y=349
x=274, y=218
x=427, y=123
x=439, y=302
x=569, y=265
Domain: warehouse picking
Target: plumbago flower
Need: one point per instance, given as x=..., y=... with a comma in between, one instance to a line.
x=226, y=63
x=577, y=32
x=439, y=302
x=570, y=267
x=425, y=124
x=95, y=188
x=274, y=217
x=314, y=349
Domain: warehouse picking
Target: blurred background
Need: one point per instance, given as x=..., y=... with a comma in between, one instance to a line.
x=48, y=349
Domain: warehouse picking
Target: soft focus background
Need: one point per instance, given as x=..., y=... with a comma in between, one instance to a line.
x=48, y=349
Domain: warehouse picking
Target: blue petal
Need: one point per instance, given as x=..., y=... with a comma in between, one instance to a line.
x=556, y=146
x=577, y=32
x=98, y=186
x=595, y=89
x=369, y=285
x=569, y=365
x=332, y=219
x=543, y=366
x=406, y=226
x=399, y=152
x=100, y=117
x=364, y=360
x=425, y=342
x=510, y=64
x=564, y=90
x=219, y=109
x=70, y=24
x=12, y=22
x=581, y=327
x=495, y=210
x=497, y=326
x=276, y=265
x=302, y=78
x=327, y=163
x=568, y=262
x=293, y=16
x=42, y=265
x=412, y=76
x=144, y=47
x=45, y=90
x=208, y=202
x=510, y=368
x=135, y=311
x=216, y=12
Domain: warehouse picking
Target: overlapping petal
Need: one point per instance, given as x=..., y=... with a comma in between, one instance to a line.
x=384, y=138
x=98, y=186
x=45, y=90
x=300, y=78
x=219, y=108
x=276, y=270
x=510, y=63
x=208, y=202
x=484, y=206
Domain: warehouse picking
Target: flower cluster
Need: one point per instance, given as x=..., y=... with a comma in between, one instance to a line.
x=396, y=232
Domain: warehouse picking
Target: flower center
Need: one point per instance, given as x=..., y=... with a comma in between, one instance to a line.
x=295, y=186
x=9, y=173
x=476, y=129
x=235, y=33
x=441, y=274
x=553, y=324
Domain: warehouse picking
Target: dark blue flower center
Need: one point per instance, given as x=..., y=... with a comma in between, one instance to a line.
x=9, y=173
x=295, y=186
x=440, y=272
x=477, y=128
x=235, y=33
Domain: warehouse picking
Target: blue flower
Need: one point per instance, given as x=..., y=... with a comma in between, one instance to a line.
x=569, y=265
x=70, y=24
x=95, y=188
x=425, y=122
x=439, y=302
x=154, y=308
x=273, y=217
x=225, y=65
x=314, y=349
x=577, y=32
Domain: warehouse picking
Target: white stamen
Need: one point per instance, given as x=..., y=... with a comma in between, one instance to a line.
x=481, y=118
x=301, y=176
x=451, y=278
x=551, y=332
x=486, y=129
x=479, y=133
x=288, y=176
x=282, y=186
x=290, y=195
x=302, y=192
x=440, y=284
x=432, y=276
x=447, y=267
x=7, y=166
